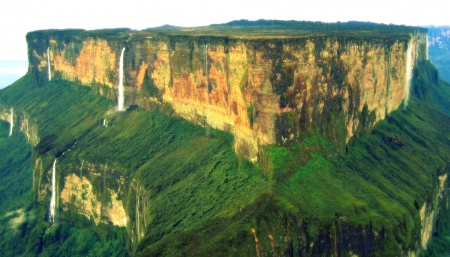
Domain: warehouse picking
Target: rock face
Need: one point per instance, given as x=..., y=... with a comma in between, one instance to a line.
x=264, y=91
x=95, y=191
x=78, y=195
x=429, y=211
x=23, y=123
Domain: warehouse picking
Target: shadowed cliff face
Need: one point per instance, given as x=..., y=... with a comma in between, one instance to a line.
x=262, y=91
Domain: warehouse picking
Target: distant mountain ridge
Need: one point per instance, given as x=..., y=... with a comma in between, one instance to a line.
x=439, y=49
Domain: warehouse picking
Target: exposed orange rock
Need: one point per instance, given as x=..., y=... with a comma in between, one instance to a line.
x=79, y=193
x=141, y=74
x=94, y=62
x=233, y=86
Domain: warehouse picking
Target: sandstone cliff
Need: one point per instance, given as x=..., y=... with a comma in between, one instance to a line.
x=264, y=90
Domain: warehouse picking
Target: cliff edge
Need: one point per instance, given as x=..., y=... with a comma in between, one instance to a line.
x=266, y=82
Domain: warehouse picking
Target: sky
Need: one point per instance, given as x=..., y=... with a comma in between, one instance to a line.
x=18, y=17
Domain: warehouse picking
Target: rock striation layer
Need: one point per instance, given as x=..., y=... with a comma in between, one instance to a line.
x=264, y=90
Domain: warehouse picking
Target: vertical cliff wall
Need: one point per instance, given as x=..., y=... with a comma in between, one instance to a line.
x=22, y=122
x=264, y=91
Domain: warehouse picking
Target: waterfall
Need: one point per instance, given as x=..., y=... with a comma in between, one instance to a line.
x=408, y=73
x=206, y=90
x=53, y=200
x=120, y=98
x=48, y=64
x=427, y=48
x=11, y=121
x=104, y=122
x=206, y=72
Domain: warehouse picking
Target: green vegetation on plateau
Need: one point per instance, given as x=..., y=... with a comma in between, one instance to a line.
x=253, y=30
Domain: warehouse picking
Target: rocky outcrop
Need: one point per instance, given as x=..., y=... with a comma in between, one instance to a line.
x=430, y=210
x=92, y=190
x=264, y=91
x=78, y=193
x=95, y=191
x=22, y=122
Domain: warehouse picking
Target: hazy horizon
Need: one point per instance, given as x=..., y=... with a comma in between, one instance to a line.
x=11, y=70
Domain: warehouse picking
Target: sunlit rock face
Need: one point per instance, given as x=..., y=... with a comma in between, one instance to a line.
x=262, y=90
x=78, y=195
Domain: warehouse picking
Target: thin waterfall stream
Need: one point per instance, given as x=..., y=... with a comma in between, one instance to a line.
x=53, y=199
x=120, y=97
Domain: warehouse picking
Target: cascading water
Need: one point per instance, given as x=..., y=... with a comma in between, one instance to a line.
x=53, y=200
x=206, y=90
x=11, y=121
x=48, y=64
x=408, y=73
x=427, y=47
x=120, y=98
